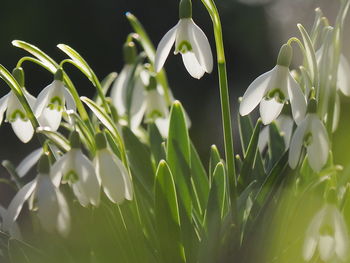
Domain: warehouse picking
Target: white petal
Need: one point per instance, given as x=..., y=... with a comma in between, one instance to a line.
x=119, y=89
x=70, y=103
x=336, y=113
x=111, y=175
x=317, y=151
x=309, y=248
x=61, y=167
x=23, y=129
x=42, y=100
x=50, y=118
x=47, y=203
x=138, y=107
x=285, y=124
x=201, y=47
x=192, y=65
x=3, y=106
x=255, y=92
x=270, y=110
x=30, y=98
x=326, y=247
x=87, y=178
x=340, y=235
x=263, y=138
x=17, y=203
x=163, y=126
x=297, y=100
x=344, y=76
x=164, y=47
x=79, y=192
x=296, y=143
x=63, y=218
x=28, y=162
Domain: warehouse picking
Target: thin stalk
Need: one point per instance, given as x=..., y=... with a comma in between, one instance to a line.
x=225, y=100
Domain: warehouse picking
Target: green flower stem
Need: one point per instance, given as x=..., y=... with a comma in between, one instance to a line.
x=225, y=100
x=94, y=81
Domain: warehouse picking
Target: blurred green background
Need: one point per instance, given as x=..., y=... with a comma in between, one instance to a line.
x=253, y=32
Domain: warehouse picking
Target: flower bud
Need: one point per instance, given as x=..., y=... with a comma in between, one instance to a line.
x=74, y=140
x=185, y=9
x=44, y=164
x=100, y=141
x=129, y=52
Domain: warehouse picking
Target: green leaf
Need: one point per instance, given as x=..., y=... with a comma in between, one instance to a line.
x=178, y=155
x=139, y=158
x=310, y=55
x=58, y=139
x=102, y=116
x=249, y=160
x=213, y=161
x=20, y=252
x=112, y=143
x=78, y=59
x=167, y=216
x=156, y=141
x=43, y=57
x=210, y=245
x=276, y=145
x=200, y=179
x=106, y=83
x=245, y=131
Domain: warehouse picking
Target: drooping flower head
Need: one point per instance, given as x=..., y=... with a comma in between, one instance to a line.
x=328, y=234
x=53, y=210
x=114, y=177
x=78, y=171
x=312, y=135
x=190, y=41
x=273, y=89
x=52, y=101
x=15, y=113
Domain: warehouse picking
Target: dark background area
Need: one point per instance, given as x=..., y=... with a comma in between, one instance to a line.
x=98, y=29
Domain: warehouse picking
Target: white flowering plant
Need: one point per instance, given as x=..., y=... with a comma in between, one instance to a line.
x=119, y=179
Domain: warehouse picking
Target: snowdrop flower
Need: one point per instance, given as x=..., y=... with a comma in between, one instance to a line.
x=51, y=102
x=111, y=172
x=53, y=210
x=284, y=124
x=128, y=99
x=190, y=41
x=273, y=89
x=328, y=233
x=76, y=169
x=17, y=116
x=311, y=134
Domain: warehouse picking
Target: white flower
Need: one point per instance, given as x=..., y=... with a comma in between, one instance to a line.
x=126, y=101
x=76, y=169
x=312, y=134
x=17, y=116
x=156, y=106
x=272, y=90
x=328, y=233
x=50, y=104
x=284, y=124
x=113, y=175
x=53, y=210
x=193, y=45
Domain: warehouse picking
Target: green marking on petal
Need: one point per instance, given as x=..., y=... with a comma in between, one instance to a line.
x=18, y=114
x=55, y=103
x=184, y=47
x=327, y=230
x=71, y=177
x=308, y=139
x=277, y=94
